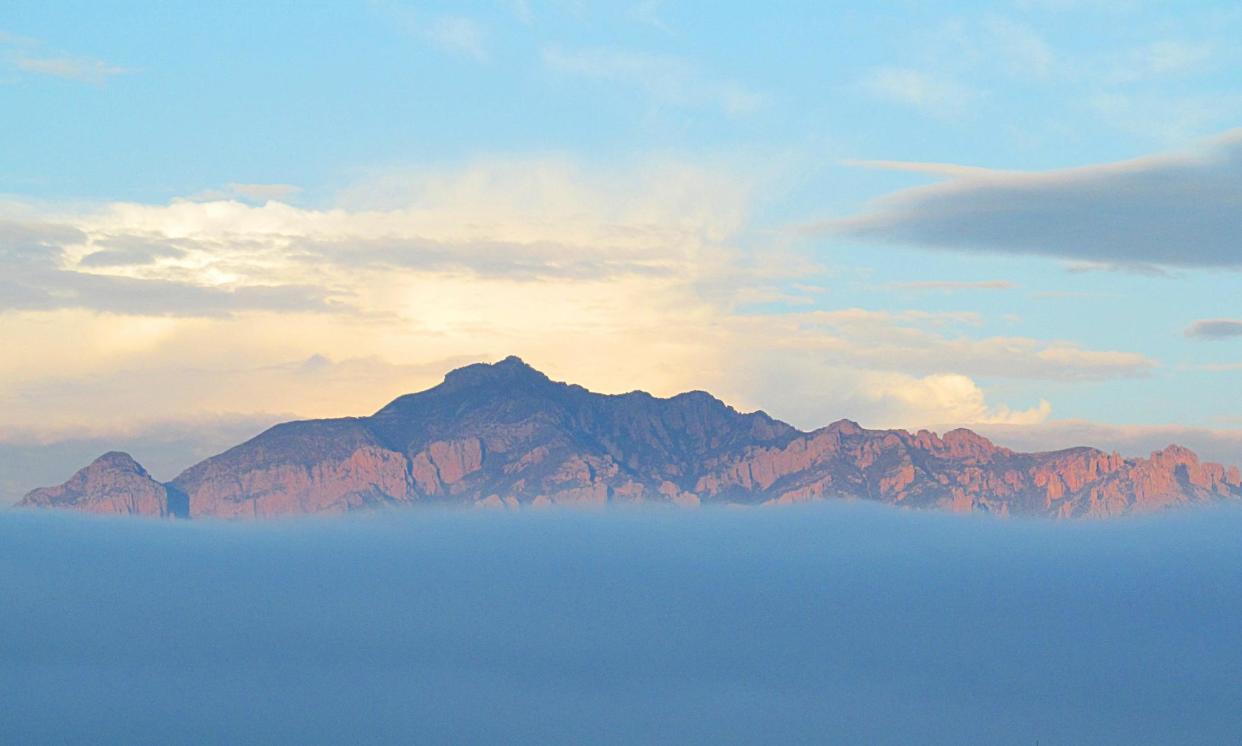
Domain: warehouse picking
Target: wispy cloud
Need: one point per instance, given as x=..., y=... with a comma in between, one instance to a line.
x=647, y=12
x=953, y=285
x=458, y=35
x=32, y=56
x=73, y=68
x=928, y=92
x=668, y=79
x=1023, y=51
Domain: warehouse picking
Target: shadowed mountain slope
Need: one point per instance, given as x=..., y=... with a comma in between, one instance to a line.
x=507, y=435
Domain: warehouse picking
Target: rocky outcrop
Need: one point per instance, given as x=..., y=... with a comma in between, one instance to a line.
x=113, y=483
x=318, y=466
x=507, y=436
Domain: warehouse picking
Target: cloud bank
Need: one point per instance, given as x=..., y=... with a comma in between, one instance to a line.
x=1177, y=210
x=207, y=307
x=848, y=623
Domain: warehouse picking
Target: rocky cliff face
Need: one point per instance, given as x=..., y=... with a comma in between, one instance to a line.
x=113, y=483
x=506, y=435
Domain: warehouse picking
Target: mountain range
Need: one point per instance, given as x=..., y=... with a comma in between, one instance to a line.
x=505, y=435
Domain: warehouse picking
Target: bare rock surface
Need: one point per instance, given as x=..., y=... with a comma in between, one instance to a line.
x=504, y=435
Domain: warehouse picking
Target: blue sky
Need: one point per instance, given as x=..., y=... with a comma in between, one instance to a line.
x=244, y=209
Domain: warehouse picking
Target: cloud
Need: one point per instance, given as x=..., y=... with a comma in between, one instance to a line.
x=616, y=278
x=668, y=79
x=1177, y=210
x=455, y=34
x=146, y=396
x=131, y=251
x=459, y=35
x=1219, y=445
x=871, y=624
x=55, y=289
x=1174, y=118
x=73, y=68
x=896, y=397
x=927, y=344
x=33, y=258
x=933, y=94
x=954, y=285
x=1162, y=57
x=647, y=12
x=1215, y=329
x=265, y=192
x=1024, y=52
x=521, y=10
x=31, y=56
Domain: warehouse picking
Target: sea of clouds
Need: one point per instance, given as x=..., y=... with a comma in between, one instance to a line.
x=842, y=623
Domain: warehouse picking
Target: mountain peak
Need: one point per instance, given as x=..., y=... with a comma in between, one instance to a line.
x=509, y=370
x=112, y=483
x=118, y=461
x=845, y=427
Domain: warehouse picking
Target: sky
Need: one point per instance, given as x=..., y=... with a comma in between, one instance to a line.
x=838, y=623
x=1018, y=216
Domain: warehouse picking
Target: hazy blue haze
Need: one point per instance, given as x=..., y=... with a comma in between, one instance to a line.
x=845, y=623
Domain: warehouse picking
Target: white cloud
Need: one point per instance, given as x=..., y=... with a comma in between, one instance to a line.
x=265, y=192
x=455, y=34
x=810, y=391
x=32, y=56
x=459, y=35
x=73, y=68
x=666, y=78
x=945, y=398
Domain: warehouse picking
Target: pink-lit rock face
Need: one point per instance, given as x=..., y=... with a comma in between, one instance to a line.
x=506, y=436
x=113, y=483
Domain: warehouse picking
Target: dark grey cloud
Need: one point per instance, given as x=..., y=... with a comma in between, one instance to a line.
x=1215, y=329
x=1163, y=211
x=839, y=623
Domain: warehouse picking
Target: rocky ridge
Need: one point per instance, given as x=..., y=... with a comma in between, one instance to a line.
x=506, y=435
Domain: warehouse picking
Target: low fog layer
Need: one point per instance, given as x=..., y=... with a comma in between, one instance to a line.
x=840, y=623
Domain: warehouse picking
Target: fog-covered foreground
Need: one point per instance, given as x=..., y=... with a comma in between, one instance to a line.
x=845, y=623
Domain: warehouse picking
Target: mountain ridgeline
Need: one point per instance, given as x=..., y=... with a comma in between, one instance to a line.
x=505, y=435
